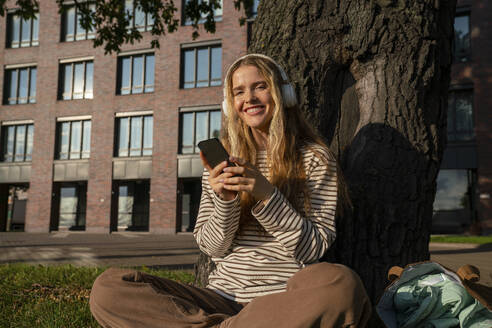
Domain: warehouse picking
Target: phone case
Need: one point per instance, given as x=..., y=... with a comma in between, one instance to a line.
x=214, y=152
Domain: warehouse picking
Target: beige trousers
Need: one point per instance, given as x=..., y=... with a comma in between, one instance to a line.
x=320, y=295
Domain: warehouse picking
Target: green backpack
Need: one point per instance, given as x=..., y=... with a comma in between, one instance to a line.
x=427, y=294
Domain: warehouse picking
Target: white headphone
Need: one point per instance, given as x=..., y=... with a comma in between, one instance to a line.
x=288, y=93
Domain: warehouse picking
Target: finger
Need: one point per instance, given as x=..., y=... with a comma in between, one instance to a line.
x=220, y=178
x=217, y=186
x=223, y=176
x=235, y=170
x=205, y=162
x=217, y=170
x=237, y=187
x=238, y=180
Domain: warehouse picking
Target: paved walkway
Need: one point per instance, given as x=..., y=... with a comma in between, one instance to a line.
x=455, y=255
x=83, y=249
x=170, y=251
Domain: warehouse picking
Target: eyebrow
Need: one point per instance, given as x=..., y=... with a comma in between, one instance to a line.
x=254, y=84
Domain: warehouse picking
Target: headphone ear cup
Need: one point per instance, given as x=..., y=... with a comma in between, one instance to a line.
x=289, y=95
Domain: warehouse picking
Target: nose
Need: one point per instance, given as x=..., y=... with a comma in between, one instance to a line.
x=250, y=96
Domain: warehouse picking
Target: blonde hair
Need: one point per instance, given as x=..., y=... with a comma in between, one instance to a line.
x=288, y=133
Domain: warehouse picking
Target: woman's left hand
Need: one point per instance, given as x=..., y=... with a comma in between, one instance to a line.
x=247, y=179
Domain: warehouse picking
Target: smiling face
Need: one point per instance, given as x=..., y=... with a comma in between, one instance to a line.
x=252, y=98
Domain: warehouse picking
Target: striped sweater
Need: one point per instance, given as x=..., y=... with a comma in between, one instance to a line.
x=251, y=264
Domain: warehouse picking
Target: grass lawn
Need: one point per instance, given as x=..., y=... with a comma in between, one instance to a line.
x=461, y=239
x=54, y=296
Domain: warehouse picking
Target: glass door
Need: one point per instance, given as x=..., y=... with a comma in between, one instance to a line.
x=132, y=200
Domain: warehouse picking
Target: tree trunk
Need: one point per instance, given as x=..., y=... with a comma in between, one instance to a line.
x=373, y=77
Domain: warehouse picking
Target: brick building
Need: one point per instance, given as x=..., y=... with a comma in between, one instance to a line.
x=464, y=185
x=106, y=143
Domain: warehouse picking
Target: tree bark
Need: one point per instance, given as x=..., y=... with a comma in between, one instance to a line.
x=373, y=78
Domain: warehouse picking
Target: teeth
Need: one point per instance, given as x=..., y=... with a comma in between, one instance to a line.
x=253, y=110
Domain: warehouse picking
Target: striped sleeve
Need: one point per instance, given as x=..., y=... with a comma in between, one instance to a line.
x=305, y=238
x=217, y=221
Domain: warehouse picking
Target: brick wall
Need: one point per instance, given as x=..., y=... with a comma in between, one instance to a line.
x=164, y=101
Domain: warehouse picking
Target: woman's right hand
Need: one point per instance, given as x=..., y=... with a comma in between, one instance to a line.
x=216, y=179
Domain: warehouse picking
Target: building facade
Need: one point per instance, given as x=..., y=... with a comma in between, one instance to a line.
x=464, y=185
x=104, y=143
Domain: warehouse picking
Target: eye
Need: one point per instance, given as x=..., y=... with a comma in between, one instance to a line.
x=261, y=87
x=238, y=93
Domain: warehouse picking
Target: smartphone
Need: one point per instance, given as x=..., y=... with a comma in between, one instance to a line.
x=214, y=152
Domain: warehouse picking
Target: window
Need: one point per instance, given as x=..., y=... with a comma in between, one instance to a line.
x=22, y=33
x=72, y=29
x=252, y=13
x=197, y=126
x=134, y=136
x=462, y=45
x=460, y=116
x=201, y=67
x=453, y=190
x=17, y=142
x=133, y=205
x=72, y=205
x=76, y=80
x=135, y=74
x=455, y=202
x=73, y=139
x=217, y=13
x=254, y=9
x=141, y=21
x=18, y=195
x=20, y=85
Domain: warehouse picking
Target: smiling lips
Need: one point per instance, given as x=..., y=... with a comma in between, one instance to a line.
x=253, y=110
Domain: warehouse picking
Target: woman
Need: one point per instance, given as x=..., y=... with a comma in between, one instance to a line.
x=265, y=221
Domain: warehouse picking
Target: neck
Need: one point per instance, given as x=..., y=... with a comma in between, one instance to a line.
x=261, y=139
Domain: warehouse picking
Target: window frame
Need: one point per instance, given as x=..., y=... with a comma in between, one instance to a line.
x=142, y=116
x=61, y=79
x=196, y=48
x=9, y=31
x=203, y=19
x=119, y=73
x=253, y=12
x=58, y=143
x=182, y=112
x=141, y=28
x=466, y=55
x=4, y=138
x=89, y=35
x=456, y=139
x=8, y=84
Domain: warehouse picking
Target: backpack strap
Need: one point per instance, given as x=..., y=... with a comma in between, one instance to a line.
x=469, y=273
x=394, y=273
